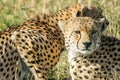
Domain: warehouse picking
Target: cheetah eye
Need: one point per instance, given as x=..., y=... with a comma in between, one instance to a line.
x=94, y=32
x=78, y=14
x=77, y=32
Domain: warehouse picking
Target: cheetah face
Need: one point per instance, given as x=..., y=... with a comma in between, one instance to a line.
x=82, y=35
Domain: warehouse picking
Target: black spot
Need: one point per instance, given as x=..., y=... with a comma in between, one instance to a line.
x=51, y=61
x=86, y=65
x=4, y=60
x=43, y=22
x=78, y=14
x=81, y=71
x=109, y=62
x=53, y=57
x=110, y=45
x=118, y=59
x=3, y=37
x=74, y=73
x=6, y=65
x=86, y=77
x=29, y=53
x=43, y=76
x=2, y=42
x=84, y=61
x=79, y=66
x=1, y=69
x=96, y=69
x=89, y=72
x=92, y=61
x=22, y=40
x=12, y=68
x=113, y=49
x=32, y=42
x=72, y=66
x=117, y=69
x=7, y=54
x=13, y=78
x=40, y=40
x=41, y=55
x=51, y=50
x=36, y=24
x=18, y=35
x=105, y=72
x=1, y=64
x=77, y=61
x=4, y=74
x=48, y=56
x=7, y=75
x=47, y=63
x=115, y=54
x=26, y=44
x=0, y=47
x=118, y=43
x=80, y=77
x=26, y=36
x=95, y=76
x=46, y=41
x=33, y=62
x=10, y=47
x=33, y=56
x=118, y=49
x=116, y=63
x=41, y=46
x=114, y=59
x=24, y=47
x=107, y=66
x=45, y=47
x=37, y=71
x=111, y=55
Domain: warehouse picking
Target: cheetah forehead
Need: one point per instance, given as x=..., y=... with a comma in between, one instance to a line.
x=81, y=23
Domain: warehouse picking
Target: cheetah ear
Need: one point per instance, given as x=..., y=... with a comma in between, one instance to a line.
x=101, y=22
x=91, y=11
x=61, y=24
x=103, y=25
x=84, y=11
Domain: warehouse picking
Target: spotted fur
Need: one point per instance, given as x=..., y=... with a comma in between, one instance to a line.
x=34, y=47
x=91, y=54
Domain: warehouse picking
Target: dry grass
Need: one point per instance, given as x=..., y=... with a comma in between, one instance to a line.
x=16, y=11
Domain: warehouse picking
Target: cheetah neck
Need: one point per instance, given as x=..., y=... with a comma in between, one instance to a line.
x=73, y=54
x=63, y=14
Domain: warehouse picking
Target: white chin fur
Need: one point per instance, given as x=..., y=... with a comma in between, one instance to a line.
x=86, y=52
x=74, y=52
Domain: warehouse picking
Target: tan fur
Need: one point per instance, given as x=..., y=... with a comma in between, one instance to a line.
x=99, y=63
x=35, y=45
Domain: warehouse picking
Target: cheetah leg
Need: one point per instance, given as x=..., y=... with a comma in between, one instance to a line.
x=38, y=72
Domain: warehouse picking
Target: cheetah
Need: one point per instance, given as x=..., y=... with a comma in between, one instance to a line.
x=34, y=46
x=91, y=54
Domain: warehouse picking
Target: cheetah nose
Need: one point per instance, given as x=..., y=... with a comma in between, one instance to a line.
x=87, y=44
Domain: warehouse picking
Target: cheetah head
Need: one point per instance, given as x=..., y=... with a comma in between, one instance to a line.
x=81, y=10
x=82, y=35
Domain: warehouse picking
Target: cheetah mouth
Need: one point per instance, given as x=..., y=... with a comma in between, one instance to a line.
x=85, y=50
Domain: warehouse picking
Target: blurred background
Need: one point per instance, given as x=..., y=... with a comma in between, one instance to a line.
x=13, y=12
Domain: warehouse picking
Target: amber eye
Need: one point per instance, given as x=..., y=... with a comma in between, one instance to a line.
x=77, y=32
x=94, y=31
